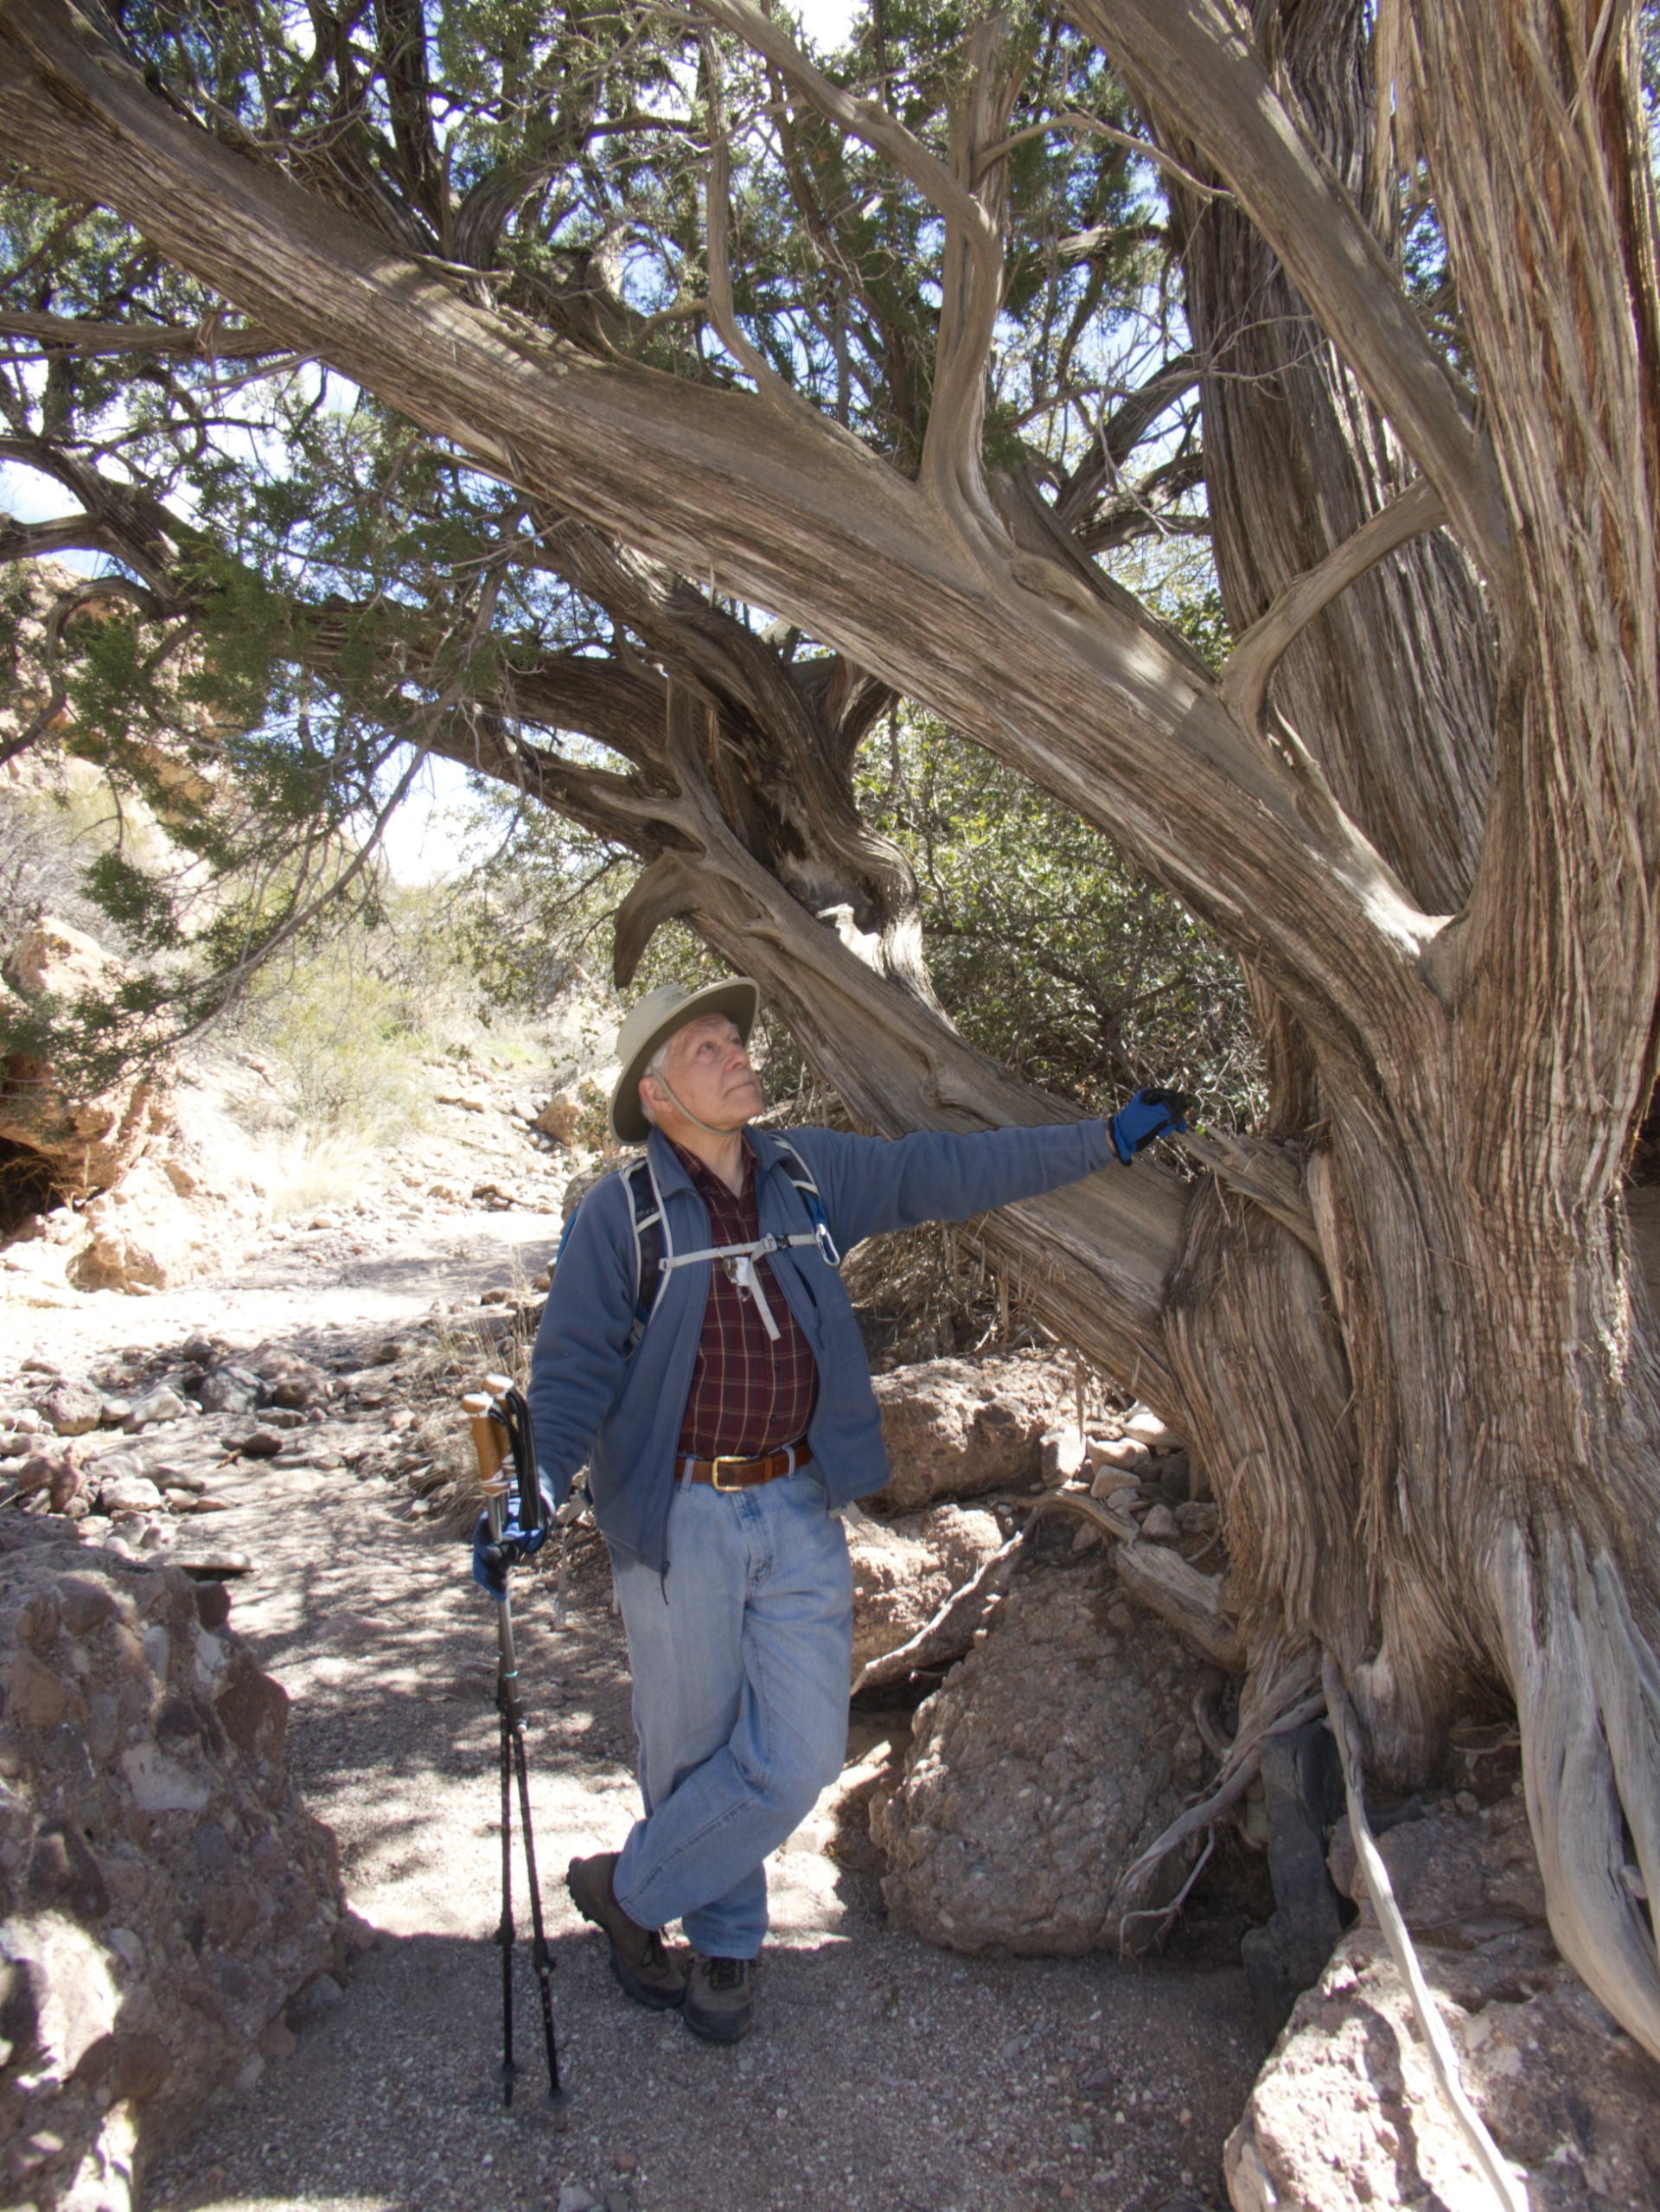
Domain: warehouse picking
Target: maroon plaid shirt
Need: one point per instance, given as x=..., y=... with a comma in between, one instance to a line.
x=749, y=1395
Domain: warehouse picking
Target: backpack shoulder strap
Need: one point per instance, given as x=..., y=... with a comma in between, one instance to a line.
x=650, y=1238
x=652, y=1244
x=801, y=1175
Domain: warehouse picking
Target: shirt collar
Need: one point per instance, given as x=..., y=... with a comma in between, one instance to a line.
x=705, y=1177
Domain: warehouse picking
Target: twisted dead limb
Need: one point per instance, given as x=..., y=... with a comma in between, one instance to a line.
x=1239, y=1770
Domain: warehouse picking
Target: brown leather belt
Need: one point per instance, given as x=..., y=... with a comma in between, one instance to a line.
x=744, y=1474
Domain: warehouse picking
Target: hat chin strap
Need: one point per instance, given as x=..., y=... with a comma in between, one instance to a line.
x=708, y=1130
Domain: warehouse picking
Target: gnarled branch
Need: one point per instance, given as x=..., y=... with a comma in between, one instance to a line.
x=1244, y=679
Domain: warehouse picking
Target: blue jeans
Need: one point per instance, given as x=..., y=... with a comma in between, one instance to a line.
x=740, y=1657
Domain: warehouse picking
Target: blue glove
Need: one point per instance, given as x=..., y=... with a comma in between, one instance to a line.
x=492, y=1556
x=1149, y=1114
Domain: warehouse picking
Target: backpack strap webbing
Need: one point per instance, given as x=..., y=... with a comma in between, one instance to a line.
x=655, y=1258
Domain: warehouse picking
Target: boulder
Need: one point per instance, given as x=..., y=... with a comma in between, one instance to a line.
x=558, y=1118
x=50, y=959
x=159, y=1226
x=174, y=1194
x=1041, y=1768
x=73, y=1409
x=904, y=1570
x=166, y=1893
x=1346, y=2111
x=955, y=1430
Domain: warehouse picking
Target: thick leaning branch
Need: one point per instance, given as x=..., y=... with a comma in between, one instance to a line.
x=797, y=516
x=209, y=340
x=717, y=226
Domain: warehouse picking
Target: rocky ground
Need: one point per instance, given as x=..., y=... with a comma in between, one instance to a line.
x=885, y=2072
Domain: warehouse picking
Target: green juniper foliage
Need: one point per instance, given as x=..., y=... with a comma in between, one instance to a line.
x=297, y=594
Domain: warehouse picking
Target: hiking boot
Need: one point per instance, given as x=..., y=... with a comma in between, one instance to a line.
x=644, y=1969
x=720, y=1998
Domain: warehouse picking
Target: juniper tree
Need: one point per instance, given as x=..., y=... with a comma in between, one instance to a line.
x=1416, y=256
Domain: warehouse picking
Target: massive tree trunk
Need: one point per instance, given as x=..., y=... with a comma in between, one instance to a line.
x=1418, y=1369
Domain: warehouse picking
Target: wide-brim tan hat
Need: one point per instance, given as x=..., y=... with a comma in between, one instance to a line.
x=653, y=1021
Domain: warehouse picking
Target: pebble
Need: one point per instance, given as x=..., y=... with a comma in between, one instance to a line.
x=73, y=1409
x=1124, y=1453
x=159, y=1404
x=130, y=1493
x=1063, y=1454
x=1145, y=1426
x=264, y=1444
x=1161, y=1526
x=178, y=1478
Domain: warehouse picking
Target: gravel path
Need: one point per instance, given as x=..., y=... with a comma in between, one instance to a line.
x=884, y=2074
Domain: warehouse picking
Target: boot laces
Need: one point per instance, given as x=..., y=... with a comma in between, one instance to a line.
x=727, y=1974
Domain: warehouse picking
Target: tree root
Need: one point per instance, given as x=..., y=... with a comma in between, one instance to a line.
x=950, y=1633
x=1278, y=1698
x=1443, y=2059
x=1161, y=1580
x=1587, y=1695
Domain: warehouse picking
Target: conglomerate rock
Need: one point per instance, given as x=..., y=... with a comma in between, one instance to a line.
x=1346, y=2111
x=1040, y=1769
x=955, y=1429
x=163, y=1894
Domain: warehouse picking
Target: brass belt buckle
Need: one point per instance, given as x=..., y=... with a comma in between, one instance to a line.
x=726, y=1458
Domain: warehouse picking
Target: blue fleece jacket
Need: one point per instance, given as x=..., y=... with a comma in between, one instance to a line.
x=590, y=1401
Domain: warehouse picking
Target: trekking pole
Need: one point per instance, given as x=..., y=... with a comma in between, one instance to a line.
x=500, y=1422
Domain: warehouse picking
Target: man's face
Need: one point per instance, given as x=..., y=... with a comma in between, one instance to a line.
x=708, y=1070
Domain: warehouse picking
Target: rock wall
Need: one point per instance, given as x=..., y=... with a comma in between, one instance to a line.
x=162, y=1187
x=163, y=1894
x=1062, y=1745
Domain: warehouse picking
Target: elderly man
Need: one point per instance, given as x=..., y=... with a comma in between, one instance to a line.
x=699, y=1352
